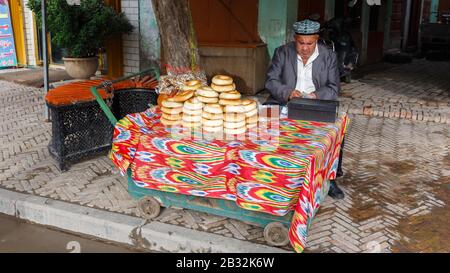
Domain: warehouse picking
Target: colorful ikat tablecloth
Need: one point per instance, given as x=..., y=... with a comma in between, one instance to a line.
x=278, y=167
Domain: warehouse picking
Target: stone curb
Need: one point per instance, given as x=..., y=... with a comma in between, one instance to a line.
x=121, y=228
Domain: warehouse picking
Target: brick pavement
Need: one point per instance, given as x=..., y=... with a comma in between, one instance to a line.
x=418, y=91
x=396, y=177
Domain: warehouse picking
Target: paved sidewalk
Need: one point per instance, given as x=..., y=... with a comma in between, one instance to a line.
x=418, y=91
x=397, y=179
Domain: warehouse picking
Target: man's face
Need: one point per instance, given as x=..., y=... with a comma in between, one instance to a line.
x=305, y=45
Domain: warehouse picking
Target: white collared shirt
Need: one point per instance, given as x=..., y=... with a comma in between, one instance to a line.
x=304, y=73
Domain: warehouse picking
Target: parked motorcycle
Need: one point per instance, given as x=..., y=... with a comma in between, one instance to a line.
x=336, y=33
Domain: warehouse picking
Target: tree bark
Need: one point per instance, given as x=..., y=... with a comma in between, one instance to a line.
x=178, y=39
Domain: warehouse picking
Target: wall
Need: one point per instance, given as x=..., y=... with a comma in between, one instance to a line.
x=131, y=41
x=29, y=25
x=396, y=23
x=275, y=20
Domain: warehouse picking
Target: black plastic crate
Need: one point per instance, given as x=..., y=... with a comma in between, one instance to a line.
x=79, y=130
x=135, y=100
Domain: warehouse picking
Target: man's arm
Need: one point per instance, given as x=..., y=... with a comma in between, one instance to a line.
x=278, y=90
x=331, y=89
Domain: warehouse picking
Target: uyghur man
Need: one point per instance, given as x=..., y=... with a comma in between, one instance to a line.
x=305, y=68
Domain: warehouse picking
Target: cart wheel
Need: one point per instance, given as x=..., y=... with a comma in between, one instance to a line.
x=276, y=234
x=148, y=207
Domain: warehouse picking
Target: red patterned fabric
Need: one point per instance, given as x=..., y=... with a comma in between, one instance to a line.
x=281, y=166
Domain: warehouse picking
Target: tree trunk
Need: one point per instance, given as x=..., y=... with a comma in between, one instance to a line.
x=178, y=39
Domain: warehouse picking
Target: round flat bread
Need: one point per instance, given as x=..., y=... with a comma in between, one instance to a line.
x=252, y=119
x=222, y=80
x=190, y=118
x=192, y=85
x=212, y=116
x=234, y=109
x=252, y=125
x=234, y=125
x=232, y=95
x=193, y=104
x=212, y=122
x=213, y=109
x=192, y=112
x=223, y=88
x=249, y=104
x=191, y=124
x=207, y=100
x=212, y=129
x=237, y=131
x=206, y=91
x=172, y=111
x=252, y=113
x=171, y=117
x=171, y=104
x=182, y=96
x=229, y=102
x=234, y=117
x=167, y=122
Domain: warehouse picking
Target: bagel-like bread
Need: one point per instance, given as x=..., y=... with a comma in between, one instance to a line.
x=212, y=116
x=249, y=104
x=172, y=111
x=223, y=88
x=167, y=122
x=192, y=112
x=229, y=102
x=222, y=80
x=182, y=96
x=232, y=95
x=252, y=125
x=207, y=100
x=234, y=109
x=171, y=117
x=191, y=124
x=206, y=91
x=252, y=119
x=190, y=118
x=213, y=129
x=234, y=117
x=252, y=113
x=236, y=131
x=212, y=122
x=234, y=125
x=213, y=109
x=171, y=104
x=192, y=85
x=193, y=104
x=161, y=98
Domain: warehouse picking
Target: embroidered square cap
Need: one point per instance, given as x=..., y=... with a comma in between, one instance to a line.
x=307, y=27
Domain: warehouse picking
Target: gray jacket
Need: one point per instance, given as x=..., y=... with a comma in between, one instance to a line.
x=281, y=76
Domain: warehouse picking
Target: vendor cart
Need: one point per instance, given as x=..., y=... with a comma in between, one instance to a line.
x=282, y=200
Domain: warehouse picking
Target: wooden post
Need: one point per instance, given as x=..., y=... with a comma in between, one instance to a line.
x=178, y=39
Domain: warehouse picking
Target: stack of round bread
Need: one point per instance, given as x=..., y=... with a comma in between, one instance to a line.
x=216, y=109
x=212, y=118
x=251, y=113
x=192, y=113
x=172, y=108
x=234, y=119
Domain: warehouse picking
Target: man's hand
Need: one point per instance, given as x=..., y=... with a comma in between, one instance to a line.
x=310, y=95
x=295, y=94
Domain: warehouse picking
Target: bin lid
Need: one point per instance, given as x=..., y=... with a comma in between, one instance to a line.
x=76, y=92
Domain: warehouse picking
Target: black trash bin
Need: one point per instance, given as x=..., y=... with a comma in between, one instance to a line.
x=133, y=100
